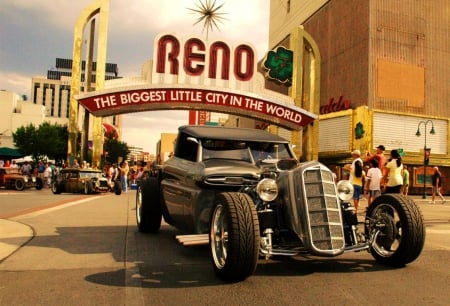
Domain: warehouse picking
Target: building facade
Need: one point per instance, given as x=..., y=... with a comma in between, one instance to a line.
x=385, y=75
x=53, y=91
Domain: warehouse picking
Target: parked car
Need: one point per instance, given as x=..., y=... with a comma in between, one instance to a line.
x=87, y=181
x=11, y=178
x=243, y=192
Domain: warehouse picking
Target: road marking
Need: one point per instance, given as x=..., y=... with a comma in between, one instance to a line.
x=36, y=211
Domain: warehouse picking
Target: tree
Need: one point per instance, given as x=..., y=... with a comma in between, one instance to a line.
x=45, y=141
x=25, y=140
x=53, y=140
x=116, y=150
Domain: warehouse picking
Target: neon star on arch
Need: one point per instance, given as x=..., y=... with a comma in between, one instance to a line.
x=209, y=14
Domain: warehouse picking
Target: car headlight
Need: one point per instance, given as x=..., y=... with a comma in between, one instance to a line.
x=25, y=179
x=267, y=189
x=345, y=190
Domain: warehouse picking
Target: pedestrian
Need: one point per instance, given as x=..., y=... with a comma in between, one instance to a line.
x=26, y=168
x=124, y=175
x=47, y=175
x=76, y=165
x=13, y=164
x=379, y=156
x=392, y=176
x=356, y=176
x=373, y=182
x=437, y=184
x=40, y=169
x=405, y=174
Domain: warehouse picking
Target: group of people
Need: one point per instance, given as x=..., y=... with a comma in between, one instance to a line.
x=384, y=175
x=8, y=163
x=46, y=171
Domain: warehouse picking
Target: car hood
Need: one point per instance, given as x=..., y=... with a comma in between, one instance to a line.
x=221, y=167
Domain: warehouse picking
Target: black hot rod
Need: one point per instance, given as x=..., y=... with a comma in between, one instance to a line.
x=243, y=192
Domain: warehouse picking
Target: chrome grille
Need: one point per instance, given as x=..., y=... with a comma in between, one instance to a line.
x=323, y=210
x=103, y=183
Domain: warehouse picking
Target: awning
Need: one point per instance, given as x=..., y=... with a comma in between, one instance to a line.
x=6, y=152
x=109, y=129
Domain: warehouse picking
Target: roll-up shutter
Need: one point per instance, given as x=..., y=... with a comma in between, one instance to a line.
x=399, y=131
x=334, y=134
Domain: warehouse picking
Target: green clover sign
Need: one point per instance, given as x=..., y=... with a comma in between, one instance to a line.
x=279, y=64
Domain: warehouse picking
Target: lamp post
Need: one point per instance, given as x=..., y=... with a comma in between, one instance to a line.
x=432, y=132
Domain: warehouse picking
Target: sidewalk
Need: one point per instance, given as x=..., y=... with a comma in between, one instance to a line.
x=13, y=235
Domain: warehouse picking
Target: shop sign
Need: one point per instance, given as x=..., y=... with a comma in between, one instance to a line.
x=335, y=106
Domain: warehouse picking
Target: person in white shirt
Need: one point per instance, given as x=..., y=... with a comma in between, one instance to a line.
x=393, y=173
x=47, y=175
x=14, y=165
x=373, y=182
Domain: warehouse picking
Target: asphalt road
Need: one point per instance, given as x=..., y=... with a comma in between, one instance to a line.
x=86, y=250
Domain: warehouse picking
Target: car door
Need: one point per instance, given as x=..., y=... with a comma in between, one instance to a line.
x=177, y=186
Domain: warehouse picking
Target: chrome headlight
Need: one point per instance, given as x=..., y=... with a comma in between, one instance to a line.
x=345, y=190
x=25, y=179
x=33, y=178
x=267, y=189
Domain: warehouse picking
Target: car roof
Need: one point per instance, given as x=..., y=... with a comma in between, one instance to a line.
x=230, y=133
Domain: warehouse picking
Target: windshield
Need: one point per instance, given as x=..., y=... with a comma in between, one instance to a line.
x=90, y=174
x=244, y=150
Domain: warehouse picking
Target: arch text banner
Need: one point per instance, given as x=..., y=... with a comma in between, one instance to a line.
x=147, y=98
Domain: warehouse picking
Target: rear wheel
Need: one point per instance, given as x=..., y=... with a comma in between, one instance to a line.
x=148, y=206
x=39, y=184
x=234, y=236
x=396, y=230
x=19, y=184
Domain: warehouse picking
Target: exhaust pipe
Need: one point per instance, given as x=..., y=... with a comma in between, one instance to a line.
x=190, y=240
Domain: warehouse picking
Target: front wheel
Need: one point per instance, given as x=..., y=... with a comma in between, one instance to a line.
x=148, y=206
x=234, y=236
x=19, y=184
x=88, y=188
x=56, y=189
x=117, y=187
x=396, y=230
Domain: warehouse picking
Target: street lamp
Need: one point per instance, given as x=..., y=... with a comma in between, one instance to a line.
x=432, y=132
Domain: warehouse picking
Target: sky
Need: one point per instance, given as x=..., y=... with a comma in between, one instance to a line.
x=33, y=33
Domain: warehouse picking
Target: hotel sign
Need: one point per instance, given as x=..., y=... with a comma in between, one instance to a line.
x=194, y=75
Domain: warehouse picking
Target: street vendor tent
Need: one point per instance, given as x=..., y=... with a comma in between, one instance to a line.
x=28, y=158
x=9, y=153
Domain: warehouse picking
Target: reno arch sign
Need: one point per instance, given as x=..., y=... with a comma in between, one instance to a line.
x=195, y=75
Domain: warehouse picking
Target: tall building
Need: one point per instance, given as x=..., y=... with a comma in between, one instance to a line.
x=384, y=75
x=53, y=91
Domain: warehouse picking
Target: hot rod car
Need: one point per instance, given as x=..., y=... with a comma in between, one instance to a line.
x=243, y=192
x=12, y=178
x=87, y=181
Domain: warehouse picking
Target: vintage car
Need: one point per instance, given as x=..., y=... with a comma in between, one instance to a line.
x=243, y=192
x=11, y=178
x=87, y=181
